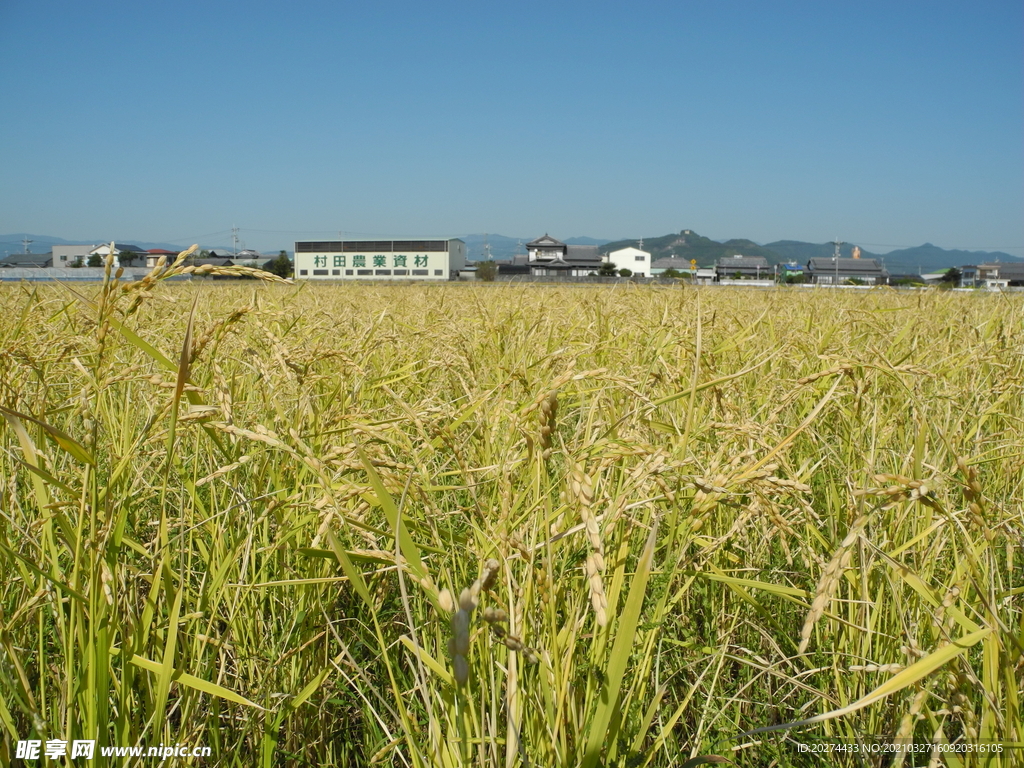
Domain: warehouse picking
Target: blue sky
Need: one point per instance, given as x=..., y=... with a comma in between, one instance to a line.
x=886, y=124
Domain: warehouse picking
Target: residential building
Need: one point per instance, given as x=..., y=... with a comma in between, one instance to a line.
x=153, y=256
x=660, y=266
x=995, y=275
x=833, y=271
x=743, y=267
x=27, y=261
x=251, y=258
x=548, y=256
x=66, y=255
x=122, y=252
x=635, y=260
x=969, y=276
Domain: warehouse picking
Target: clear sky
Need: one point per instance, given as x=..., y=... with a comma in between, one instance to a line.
x=884, y=123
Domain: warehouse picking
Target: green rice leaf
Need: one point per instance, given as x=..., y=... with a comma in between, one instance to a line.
x=198, y=684
x=625, y=634
x=909, y=676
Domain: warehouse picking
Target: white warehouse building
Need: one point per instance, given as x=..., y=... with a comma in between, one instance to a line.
x=379, y=259
x=635, y=260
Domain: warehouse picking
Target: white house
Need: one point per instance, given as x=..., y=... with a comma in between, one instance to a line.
x=636, y=261
x=120, y=250
x=66, y=255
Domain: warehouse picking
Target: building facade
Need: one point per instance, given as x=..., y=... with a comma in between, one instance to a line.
x=994, y=275
x=549, y=257
x=66, y=255
x=635, y=260
x=379, y=259
x=832, y=271
x=743, y=268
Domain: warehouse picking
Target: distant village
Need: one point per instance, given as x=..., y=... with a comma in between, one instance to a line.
x=547, y=259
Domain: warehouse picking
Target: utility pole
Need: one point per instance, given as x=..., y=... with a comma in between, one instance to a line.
x=26, y=242
x=234, y=240
x=837, y=243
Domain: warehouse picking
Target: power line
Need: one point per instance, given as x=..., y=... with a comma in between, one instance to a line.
x=193, y=238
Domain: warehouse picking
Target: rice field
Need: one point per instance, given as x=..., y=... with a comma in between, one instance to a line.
x=496, y=525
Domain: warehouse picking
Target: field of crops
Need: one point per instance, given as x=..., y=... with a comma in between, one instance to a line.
x=499, y=525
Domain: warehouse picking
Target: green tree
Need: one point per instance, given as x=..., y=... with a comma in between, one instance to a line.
x=607, y=270
x=487, y=271
x=281, y=266
x=95, y=260
x=953, y=276
x=671, y=273
x=126, y=258
x=625, y=272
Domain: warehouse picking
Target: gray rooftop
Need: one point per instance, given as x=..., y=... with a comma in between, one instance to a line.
x=846, y=266
x=671, y=262
x=588, y=254
x=743, y=262
x=546, y=241
x=27, y=260
x=69, y=274
x=1007, y=270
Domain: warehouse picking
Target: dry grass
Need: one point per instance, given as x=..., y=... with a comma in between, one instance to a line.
x=239, y=514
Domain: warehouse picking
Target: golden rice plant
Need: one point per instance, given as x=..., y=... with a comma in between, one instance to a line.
x=500, y=525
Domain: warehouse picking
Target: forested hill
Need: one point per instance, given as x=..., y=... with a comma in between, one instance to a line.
x=794, y=250
x=687, y=244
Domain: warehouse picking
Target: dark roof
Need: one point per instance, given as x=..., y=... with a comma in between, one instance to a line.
x=215, y=262
x=583, y=254
x=70, y=274
x=743, y=262
x=547, y=241
x=671, y=262
x=29, y=260
x=846, y=266
x=259, y=262
x=1008, y=271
